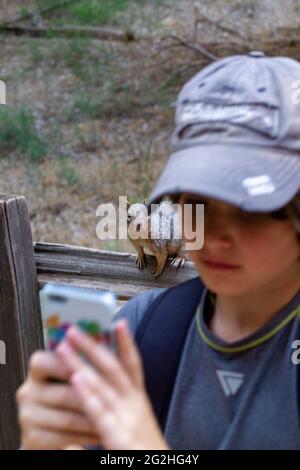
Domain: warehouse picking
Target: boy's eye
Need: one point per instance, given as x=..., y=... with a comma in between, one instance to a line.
x=251, y=216
x=281, y=214
x=263, y=216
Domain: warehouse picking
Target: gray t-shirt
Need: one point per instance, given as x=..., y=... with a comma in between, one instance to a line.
x=246, y=399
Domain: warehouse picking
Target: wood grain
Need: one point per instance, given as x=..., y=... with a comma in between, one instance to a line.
x=98, y=269
x=20, y=320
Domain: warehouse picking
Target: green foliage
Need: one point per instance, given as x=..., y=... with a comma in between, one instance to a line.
x=106, y=103
x=67, y=172
x=92, y=12
x=84, y=106
x=79, y=56
x=18, y=132
x=99, y=12
x=105, y=83
x=35, y=51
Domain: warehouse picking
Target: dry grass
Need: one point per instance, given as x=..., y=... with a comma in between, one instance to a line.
x=104, y=110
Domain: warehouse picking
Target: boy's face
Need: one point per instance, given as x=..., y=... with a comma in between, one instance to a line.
x=244, y=252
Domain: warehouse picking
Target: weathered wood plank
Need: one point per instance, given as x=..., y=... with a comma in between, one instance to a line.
x=20, y=320
x=100, y=269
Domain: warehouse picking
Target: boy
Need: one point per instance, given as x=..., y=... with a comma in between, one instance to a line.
x=236, y=149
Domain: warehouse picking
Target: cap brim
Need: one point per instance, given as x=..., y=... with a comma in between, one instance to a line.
x=252, y=178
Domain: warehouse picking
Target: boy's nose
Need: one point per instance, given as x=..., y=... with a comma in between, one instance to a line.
x=217, y=232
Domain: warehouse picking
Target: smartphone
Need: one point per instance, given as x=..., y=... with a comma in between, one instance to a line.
x=90, y=310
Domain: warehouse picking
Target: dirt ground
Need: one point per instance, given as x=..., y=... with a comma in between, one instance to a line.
x=105, y=109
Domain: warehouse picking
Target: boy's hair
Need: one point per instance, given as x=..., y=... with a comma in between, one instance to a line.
x=293, y=211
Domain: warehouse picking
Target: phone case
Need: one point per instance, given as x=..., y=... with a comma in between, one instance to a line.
x=63, y=306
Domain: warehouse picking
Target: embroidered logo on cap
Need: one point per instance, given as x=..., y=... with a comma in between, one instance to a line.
x=257, y=185
x=254, y=116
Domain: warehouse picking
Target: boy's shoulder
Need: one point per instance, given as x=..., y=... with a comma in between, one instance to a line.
x=136, y=307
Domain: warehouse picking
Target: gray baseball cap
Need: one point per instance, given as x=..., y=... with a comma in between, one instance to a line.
x=237, y=134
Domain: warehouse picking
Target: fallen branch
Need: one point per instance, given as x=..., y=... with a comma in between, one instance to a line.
x=194, y=47
x=200, y=17
x=70, y=31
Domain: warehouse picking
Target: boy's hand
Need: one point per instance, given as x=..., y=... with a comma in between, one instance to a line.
x=50, y=414
x=112, y=390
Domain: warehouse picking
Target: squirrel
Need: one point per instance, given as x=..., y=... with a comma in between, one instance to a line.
x=159, y=233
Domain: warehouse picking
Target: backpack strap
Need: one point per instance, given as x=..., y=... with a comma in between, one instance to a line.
x=160, y=337
x=298, y=372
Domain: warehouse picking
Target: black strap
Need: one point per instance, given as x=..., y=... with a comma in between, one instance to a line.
x=161, y=336
x=298, y=373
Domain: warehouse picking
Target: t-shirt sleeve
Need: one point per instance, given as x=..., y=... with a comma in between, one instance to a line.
x=136, y=307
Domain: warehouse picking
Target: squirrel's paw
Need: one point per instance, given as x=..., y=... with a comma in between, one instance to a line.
x=177, y=262
x=157, y=272
x=140, y=262
x=161, y=260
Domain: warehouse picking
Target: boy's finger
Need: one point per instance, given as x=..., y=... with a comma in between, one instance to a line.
x=56, y=420
x=45, y=365
x=74, y=447
x=101, y=357
x=92, y=382
x=129, y=354
x=46, y=439
x=66, y=352
x=54, y=395
x=92, y=403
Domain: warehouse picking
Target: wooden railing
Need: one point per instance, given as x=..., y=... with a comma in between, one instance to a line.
x=25, y=267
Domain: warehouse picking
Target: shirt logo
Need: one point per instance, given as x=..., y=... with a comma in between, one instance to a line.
x=230, y=381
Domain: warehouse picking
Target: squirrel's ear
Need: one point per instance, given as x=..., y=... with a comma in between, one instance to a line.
x=128, y=204
x=145, y=200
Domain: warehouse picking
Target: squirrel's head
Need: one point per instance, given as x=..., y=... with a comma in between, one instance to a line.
x=137, y=218
x=136, y=211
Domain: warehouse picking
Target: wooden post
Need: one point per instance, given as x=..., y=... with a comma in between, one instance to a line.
x=20, y=321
